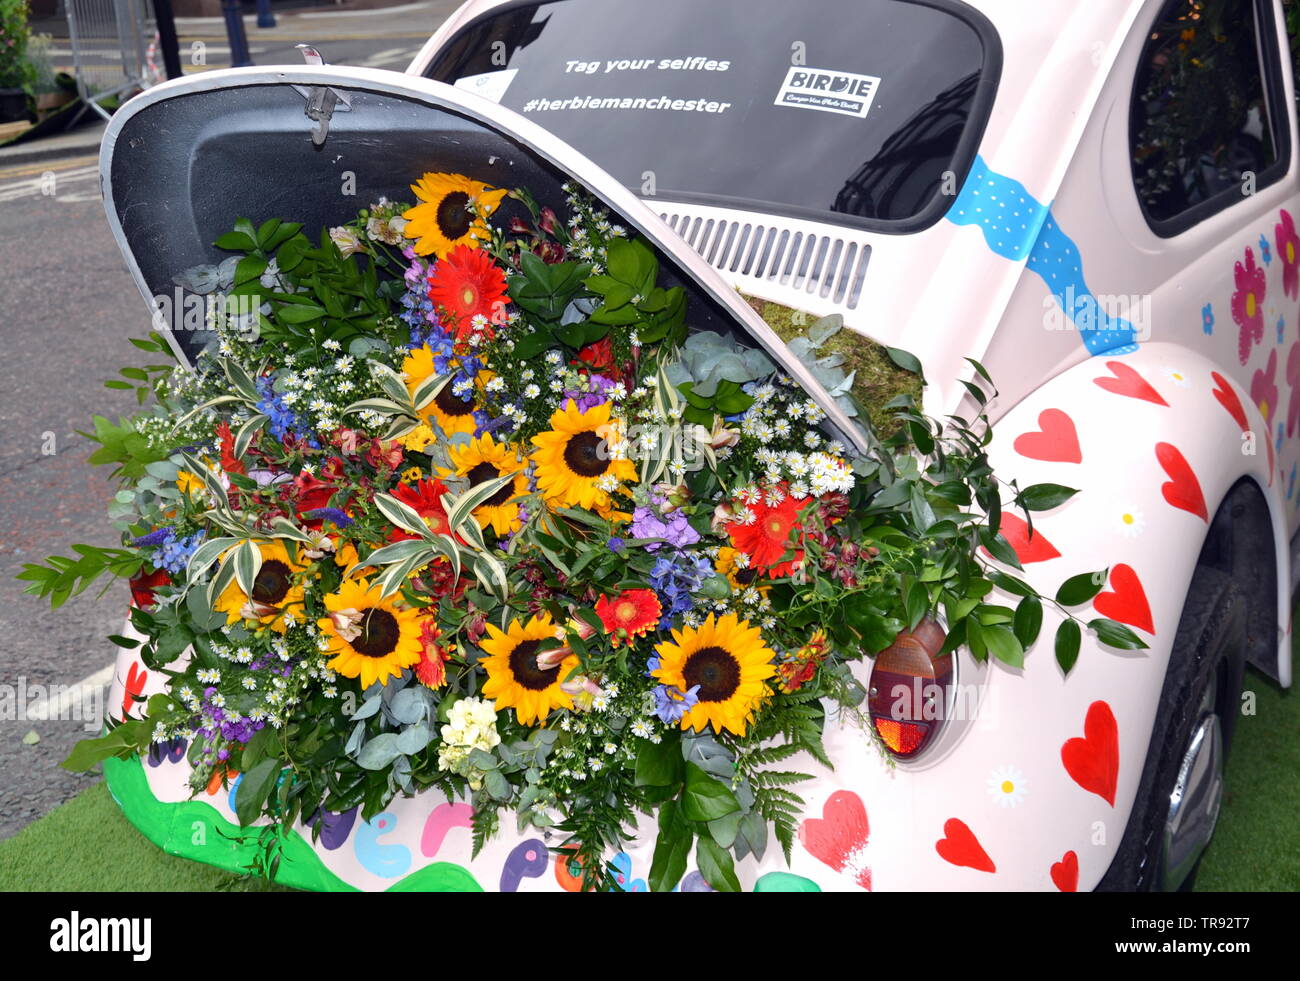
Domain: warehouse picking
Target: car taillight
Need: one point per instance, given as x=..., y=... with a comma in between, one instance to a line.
x=908, y=697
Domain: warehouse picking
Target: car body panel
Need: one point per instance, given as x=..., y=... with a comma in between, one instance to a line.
x=1057, y=145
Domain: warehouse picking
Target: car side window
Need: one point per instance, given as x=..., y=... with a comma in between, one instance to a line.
x=1208, y=122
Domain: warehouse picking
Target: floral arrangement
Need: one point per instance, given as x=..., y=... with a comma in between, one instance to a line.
x=455, y=499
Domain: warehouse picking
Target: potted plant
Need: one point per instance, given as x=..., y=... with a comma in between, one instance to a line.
x=50, y=89
x=15, y=70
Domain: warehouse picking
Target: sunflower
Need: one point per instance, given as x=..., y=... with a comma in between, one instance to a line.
x=767, y=538
x=450, y=409
x=515, y=679
x=277, y=593
x=452, y=211
x=485, y=459
x=425, y=498
x=575, y=467
x=629, y=615
x=727, y=662
x=465, y=285
x=345, y=557
x=371, y=638
x=740, y=576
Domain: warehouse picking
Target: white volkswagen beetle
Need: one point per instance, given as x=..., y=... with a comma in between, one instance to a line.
x=1095, y=200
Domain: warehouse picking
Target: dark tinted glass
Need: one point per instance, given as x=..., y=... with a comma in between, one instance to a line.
x=858, y=108
x=1200, y=119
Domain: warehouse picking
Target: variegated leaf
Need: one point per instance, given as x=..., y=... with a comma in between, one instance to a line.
x=244, y=438
x=402, y=515
x=248, y=563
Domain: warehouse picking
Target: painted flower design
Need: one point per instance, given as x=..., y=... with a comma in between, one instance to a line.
x=1288, y=250
x=1293, y=379
x=1263, y=387
x=1007, y=785
x=1207, y=318
x=1248, y=304
x=1131, y=522
x=1176, y=376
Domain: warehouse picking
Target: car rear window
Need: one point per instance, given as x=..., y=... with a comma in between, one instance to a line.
x=865, y=112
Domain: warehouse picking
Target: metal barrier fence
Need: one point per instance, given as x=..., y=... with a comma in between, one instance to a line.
x=112, y=49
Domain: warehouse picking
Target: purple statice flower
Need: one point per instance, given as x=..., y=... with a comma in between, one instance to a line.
x=674, y=578
x=159, y=536
x=339, y=518
x=677, y=531
x=672, y=703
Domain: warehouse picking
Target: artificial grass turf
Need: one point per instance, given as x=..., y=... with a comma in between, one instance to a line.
x=1256, y=846
x=88, y=846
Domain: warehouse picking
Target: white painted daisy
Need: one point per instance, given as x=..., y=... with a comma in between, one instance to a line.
x=1131, y=522
x=1007, y=785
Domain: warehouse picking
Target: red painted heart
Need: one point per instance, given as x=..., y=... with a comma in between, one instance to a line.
x=1128, y=382
x=1057, y=441
x=1126, y=601
x=1028, y=548
x=1228, y=398
x=1182, y=489
x=1065, y=873
x=1093, y=761
x=132, y=687
x=960, y=847
x=839, y=835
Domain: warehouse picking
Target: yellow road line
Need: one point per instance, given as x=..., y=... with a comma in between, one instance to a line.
x=40, y=167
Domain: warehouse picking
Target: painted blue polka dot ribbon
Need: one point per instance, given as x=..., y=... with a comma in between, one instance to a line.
x=1017, y=227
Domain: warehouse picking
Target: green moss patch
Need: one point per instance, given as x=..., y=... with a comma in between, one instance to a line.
x=876, y=379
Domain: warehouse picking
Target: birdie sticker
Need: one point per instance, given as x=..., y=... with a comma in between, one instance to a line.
x=828, y=91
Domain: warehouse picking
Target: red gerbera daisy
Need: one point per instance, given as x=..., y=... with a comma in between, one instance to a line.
x=767, y=538
x=432, y=669
x=466, y=284
x=630, y=614
x=425, y=496
x=143, y=585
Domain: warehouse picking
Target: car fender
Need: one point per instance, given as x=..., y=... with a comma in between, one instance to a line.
x=1154, y=441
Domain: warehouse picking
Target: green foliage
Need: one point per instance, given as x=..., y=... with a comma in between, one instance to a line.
x=62, y=576
x=122, y=445
x=630, y=296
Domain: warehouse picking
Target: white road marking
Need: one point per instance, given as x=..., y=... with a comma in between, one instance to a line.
x=36, y=186
x=388, y=57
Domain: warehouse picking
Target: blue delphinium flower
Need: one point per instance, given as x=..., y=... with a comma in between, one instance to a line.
x=672, y=703
x=674, y=578
x=283, y=420
x=615, y=545
x=174, y=554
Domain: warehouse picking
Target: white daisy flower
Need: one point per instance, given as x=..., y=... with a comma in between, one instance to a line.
x=1007, y=785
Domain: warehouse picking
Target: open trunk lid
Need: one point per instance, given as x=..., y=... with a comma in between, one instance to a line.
x=181, y=162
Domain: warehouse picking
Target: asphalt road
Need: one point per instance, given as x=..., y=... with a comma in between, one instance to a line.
x=67, y=310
